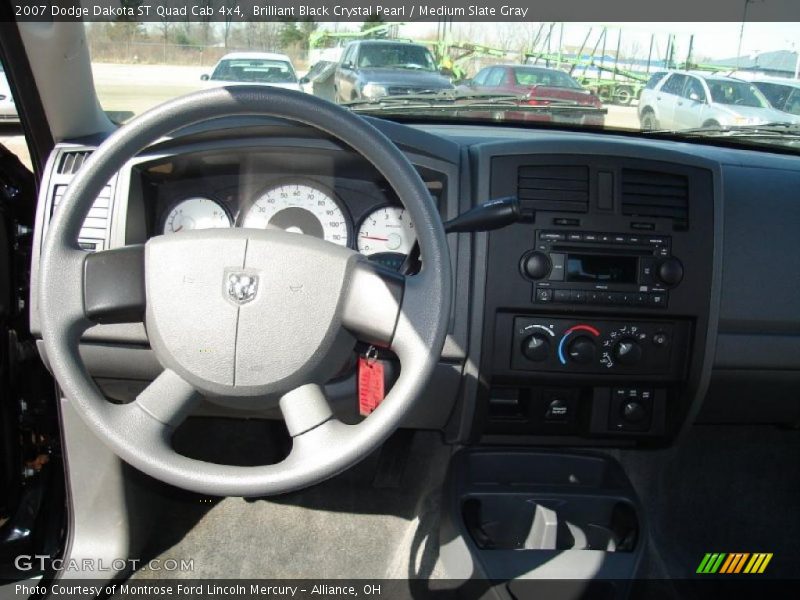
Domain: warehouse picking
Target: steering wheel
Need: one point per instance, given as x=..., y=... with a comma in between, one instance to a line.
x=242, y=313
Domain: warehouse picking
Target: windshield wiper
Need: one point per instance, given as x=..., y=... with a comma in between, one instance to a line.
x=771, y=130
x=431, y=97
x=454, y=102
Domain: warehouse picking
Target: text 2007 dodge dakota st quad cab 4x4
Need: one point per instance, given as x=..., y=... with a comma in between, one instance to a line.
x=477, y=341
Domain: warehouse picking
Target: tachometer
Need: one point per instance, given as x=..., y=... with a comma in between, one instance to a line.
x=300, y=208
x=196, y=213
x=387, y=229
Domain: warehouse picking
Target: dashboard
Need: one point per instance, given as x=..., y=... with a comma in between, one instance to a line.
x=615, y=313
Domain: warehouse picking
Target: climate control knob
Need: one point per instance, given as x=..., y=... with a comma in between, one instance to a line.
x=627, y=352
x=536, y=347
x=581, y=350
x=536, y=265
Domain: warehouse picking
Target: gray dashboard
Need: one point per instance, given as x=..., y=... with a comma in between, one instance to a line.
x=745, y=329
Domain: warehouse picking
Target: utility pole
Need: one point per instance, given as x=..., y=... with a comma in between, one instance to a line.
x=741, y=31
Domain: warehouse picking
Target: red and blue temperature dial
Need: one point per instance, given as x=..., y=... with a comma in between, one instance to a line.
x=576, y=345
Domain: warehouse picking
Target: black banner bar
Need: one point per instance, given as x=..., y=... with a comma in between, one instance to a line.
x=406, y=11
x=731, y=587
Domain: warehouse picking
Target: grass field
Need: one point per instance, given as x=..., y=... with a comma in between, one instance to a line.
x=136, y=88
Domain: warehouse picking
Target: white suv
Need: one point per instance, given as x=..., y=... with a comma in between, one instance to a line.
x=687, y=100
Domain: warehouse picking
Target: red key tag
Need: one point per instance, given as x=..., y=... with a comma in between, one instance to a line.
x=370, y=383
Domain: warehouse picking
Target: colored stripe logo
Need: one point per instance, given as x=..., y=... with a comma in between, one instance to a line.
x=733, y=563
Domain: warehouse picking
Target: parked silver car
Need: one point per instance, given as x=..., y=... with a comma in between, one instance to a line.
x=687, y=100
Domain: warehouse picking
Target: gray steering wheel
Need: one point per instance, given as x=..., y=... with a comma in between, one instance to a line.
x=286, y=309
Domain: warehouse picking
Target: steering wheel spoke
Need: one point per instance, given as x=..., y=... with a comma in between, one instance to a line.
x=168, y=399
x=305, y=408
x=372, y=303
x=114, y=285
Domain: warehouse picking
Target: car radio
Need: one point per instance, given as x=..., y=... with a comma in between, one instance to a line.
x=576, y=267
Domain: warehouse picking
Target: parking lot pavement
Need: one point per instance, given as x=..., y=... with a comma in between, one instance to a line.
x=622, y=117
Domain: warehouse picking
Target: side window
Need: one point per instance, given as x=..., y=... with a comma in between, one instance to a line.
x=694, y=90
x=349, y=54
x=653, y=81
x=11, y=134
x=495, y=77
x=480, y=78
x=674, y=84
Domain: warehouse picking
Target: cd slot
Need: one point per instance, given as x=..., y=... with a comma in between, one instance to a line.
x=604, y=250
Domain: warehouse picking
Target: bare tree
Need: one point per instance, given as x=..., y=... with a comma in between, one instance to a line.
x=165, y=28
x=228, y=22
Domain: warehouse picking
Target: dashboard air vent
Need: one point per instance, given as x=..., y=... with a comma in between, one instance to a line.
x=95, y=230
x=72, y=161
x=563, y=188
x=656, y=194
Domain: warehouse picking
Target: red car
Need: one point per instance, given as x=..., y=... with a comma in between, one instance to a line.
x=540, y=86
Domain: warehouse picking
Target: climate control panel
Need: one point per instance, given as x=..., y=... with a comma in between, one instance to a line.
x=597, y=346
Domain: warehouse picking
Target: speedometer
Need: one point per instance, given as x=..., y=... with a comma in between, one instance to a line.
x=300, y=208
x=387, y=229
x=196, y=213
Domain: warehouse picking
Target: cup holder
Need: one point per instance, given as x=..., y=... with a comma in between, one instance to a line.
x=523, y=522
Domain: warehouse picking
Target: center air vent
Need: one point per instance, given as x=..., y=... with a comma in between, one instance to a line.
x=656, y=194
x=562, y=188
x=71, y=162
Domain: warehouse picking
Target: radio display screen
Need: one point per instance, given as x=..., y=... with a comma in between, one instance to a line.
x=602, y=269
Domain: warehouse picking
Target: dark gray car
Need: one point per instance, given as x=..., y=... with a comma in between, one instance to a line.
x=372, y=69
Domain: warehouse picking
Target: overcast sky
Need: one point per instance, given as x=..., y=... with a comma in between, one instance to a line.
x=712, y=40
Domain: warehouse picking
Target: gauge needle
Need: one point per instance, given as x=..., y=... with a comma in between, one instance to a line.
x=370, y=237
x=178, y=229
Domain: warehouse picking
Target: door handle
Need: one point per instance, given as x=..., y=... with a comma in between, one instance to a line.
x=680, y=103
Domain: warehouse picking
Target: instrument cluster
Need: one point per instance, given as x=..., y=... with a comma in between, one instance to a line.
x=375, y=223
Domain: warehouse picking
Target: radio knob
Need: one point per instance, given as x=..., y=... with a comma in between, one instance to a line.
x=581, y=350
x=627, y=352
x=536, y=265
x=670, y=271
x=536, y=347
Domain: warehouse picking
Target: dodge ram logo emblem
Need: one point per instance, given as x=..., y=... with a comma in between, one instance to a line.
x=241, y=287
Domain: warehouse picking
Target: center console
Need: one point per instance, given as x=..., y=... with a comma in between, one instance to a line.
x=597, y=305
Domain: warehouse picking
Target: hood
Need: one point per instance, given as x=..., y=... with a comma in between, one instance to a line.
x=405, y=78
x=220, y=83
x=750, y=115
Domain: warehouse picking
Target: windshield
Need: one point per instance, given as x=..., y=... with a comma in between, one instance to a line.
x=724, y=91
x=254, y=70
x=781, y=96
x=647, y=77
x=399, y=56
